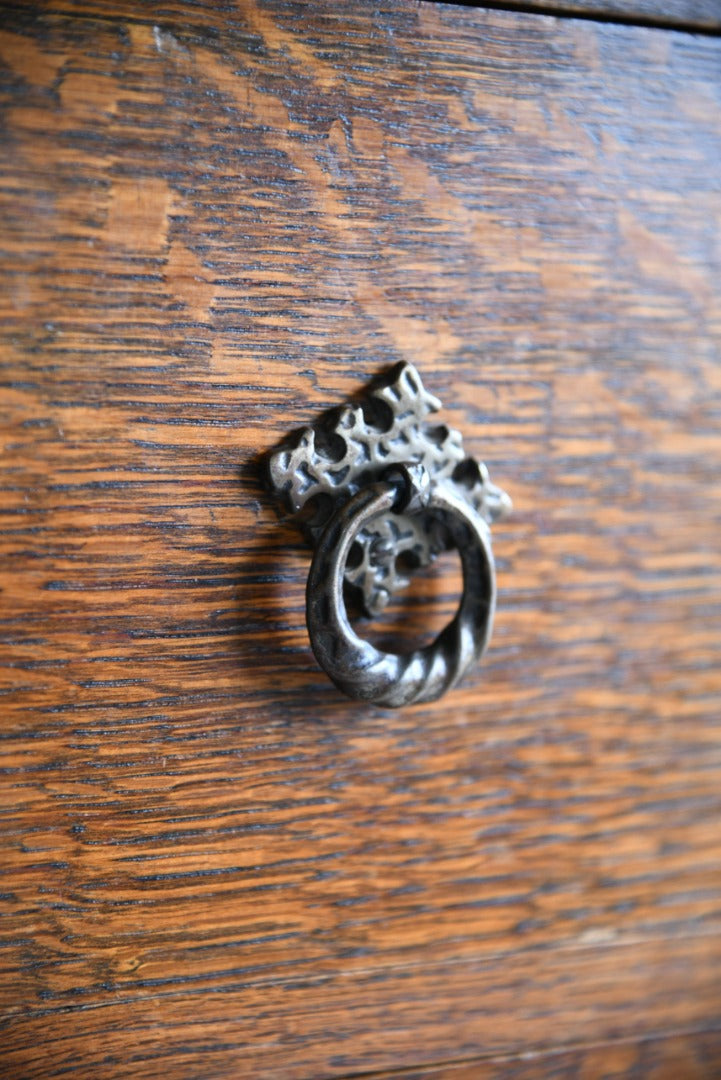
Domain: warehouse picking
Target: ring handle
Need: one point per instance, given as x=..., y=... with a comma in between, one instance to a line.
x=393, y=679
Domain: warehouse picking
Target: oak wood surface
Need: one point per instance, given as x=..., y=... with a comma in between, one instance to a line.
x=693, y=1057
x=216, y=222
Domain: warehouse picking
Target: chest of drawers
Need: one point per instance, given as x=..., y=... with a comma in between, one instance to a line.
x=219, y=220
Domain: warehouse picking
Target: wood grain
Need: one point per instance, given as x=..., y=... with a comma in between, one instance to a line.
x=695, y=15
x=693, y=1057
x=214, y=225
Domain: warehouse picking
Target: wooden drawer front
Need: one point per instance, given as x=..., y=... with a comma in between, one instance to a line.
x=217, y=221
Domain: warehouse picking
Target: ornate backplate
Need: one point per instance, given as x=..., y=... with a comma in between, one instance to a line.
x=318, y=469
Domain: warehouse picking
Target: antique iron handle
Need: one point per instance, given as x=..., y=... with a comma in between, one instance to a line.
x=375, y=484
x=356, y=666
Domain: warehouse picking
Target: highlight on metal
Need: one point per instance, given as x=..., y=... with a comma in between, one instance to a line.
x=377, y=488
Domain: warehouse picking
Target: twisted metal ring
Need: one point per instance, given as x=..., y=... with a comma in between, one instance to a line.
x=357, y=667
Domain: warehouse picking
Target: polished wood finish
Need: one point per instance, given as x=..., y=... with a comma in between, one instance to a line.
x=214, y=226
x=691, y=1057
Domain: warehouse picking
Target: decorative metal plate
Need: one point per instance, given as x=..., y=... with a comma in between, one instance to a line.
x=317, y=470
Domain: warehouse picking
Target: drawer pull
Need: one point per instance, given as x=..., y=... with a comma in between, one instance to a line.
x=375, y=481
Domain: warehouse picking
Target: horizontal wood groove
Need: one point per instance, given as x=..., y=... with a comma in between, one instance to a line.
x=506, y=1065
x=694, y=18
x=577, y=1057
x=704, y=19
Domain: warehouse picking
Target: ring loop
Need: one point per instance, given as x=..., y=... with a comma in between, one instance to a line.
x=356, y=667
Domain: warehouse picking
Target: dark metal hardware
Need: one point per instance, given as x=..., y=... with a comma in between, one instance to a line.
x=373, y=482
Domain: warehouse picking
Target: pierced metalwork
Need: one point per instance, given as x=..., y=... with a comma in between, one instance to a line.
x=379, y=491
x=321, y=467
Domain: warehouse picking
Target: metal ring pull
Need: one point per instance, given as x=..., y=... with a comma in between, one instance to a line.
x=356, y=666
x=371, y=482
